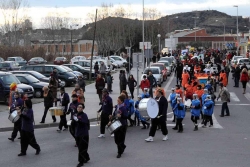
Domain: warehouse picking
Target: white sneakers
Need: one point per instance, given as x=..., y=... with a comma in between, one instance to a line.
x=101, y=136
x=165, y=138
x=149, y=139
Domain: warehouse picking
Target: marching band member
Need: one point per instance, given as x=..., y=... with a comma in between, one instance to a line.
x=73, y=111
x=64, y=102
x=208, y=111
x=199, y=92
x=131, y=110
x=17, y=104
x=143, y=120
x=174, y=102
x=171, y=98
x=82, y=134
x=178, y=90
x=27, y=130
x=121, y=113
x=136, y=115
x=144, y=83
x=180, y=115
x=185, y=78
x=195, y=111
x=107, y=108
x=160, y=119
x=145, y=94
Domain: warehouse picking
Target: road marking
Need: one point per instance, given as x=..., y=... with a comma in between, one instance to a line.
x=216, y=124
x=169, y=82
x=233, y=104
x=233, y=97
x=248, y=85
x=247, y=95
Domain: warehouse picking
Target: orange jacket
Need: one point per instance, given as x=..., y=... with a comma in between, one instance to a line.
x=199, y=93
x=179, y=91
x=164, y=93
x=185, y=77
x=223, y=76
x=189, y=88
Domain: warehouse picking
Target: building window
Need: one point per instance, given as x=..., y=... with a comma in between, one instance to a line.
x=56, y=48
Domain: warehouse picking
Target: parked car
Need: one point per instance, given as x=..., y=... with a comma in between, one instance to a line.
x=166, y=63
x=9, y=66
x=76, y=67
x=68, y=78
x=6, y=79
x=38, y=76
x=234, y=60
x=171, y=60
x=241, y=61
x=18, y=59
x=77, y=73
x=1, y=59
x=61, y=60
x=36, y=60
x=94, y=57
x=114, y=64
x=84, y=63
x=119, y=58
x=118, y=62
x=156, y=71
x=32, y=81
x=163, y=69
x=77, y=58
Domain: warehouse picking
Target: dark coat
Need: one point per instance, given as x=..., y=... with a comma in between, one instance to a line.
x=27, y=120
x=99, y=85
x=82, y=125
x=163, y=106
x=131, y=83
x=49, y=99
x=82, y=84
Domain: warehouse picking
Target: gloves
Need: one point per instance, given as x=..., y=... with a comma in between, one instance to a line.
x=75, y=118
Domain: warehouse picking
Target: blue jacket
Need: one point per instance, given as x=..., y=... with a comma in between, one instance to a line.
x=203, y=97
x=137, y=103
x=208, y=87
x=180, y=111
x=27, y=120
x=209, y=110
x=172, y=97
x=121, y=109
x=131, y=107
x=143, y=95
x=174, y=102
x=126, y=104
x=107, y=105
x=196, y=111
x=138, y=115
x=73, y=109
x=82, y=125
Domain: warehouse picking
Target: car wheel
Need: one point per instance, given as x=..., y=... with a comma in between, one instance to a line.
x=38, y=93
x=6, y=100
x=85, y=76
x=62, y=80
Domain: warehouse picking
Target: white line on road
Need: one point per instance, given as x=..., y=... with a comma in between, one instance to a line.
x=233, y=97
x=169, y=82
x=247, y=95
x=216, y=123
x=233, y=104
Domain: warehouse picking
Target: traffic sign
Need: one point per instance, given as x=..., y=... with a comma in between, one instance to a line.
x=147, y=45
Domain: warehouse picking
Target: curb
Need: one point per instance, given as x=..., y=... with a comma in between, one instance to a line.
x=40, y=126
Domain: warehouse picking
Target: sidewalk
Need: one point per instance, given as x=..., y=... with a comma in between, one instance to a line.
x=91, y=105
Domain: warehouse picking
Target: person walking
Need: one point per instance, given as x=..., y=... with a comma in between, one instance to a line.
x=103, y=69
x=237, y=76
x=131, y=85
x=123, y=81
x=96, y=68
x=153, y=83
x=81, y=83
x=244, y=79
x=225, y=98
x=53, y=85
x=99, y=85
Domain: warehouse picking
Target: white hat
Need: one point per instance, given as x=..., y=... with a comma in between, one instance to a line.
x=172, y=89
x=195, y=95
x=205, y=90
x=177, y=95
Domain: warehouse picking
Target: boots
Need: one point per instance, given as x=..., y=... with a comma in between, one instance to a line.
x=195, y=127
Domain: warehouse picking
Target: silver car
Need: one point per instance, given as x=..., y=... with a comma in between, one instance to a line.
x=156, y=71
x=166, y=63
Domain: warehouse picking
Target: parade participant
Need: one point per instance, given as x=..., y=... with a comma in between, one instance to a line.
x=27, y=129
x=131, y=85
x=80, y=96
x=185, y=78
x=178, y=72
x=145, y=94
x=225, y=98
x=223, y=78
x=131, y=110
x=17, y=104
x=136, y=115
x=144, y=83
x=123, y=81
x=188, y=90
x=195, y=111
x=143, y=120
x=53, y=85
x=178, y=90
x=73, y=111
x=77, y=87
x=81, y=83
x=204, y=96
x=153, y=83
x=237, y=72
x=48, y=102
x=64, y=102
x=208, y=111
x=227, y=70
x=99, y=85
x=244, y=79
x=106, y=108
x=109, y=82
x=200, y=92
x=160, y=119
x=170, y=100
x=159, y=87
x=121, y=114
x=208, y=86
x=180, y=114
x=82, y=134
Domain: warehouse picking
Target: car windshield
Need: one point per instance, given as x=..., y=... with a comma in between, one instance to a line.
x=9, y=79
x=61, y=69
x=59, y=58
x=167, y=59
x=166, y=63
x=67, y=68
x=38, y=75
x=32, y=79
x=10, y=59
x=153, y=70
x=2, y=65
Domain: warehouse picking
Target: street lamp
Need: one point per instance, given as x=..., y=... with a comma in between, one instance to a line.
x=169, y=20
x=143, y=56
x=224, y=31
x=159, y=48
x=236, y=6
x=195, y=25
x=71, y=45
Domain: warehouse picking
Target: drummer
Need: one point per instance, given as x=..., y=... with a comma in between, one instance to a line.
x=195, y=111
x=180, y=114
x=171, y=98
x=106, y=108
x=121, y=114
x=16, y=105
x=145, y=94
x=160, y=119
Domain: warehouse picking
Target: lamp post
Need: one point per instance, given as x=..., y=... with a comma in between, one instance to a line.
x=224, y=31
x=71, y=45
x=143, y=40
x=236, y=6
x=195, y=25
x=169, y=20
x=159, y=43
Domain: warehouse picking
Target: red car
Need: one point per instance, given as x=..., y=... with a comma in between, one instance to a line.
x=163, y=69
x=60, y=61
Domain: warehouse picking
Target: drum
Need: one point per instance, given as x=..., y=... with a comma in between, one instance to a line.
x=149, y=107
x=13, y=117
x=56, y=111
x=69, y=122
x=115, y=125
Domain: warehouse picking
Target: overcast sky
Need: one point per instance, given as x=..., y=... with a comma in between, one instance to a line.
x=80, y=8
